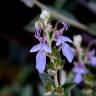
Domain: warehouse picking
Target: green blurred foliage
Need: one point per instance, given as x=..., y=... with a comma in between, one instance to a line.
x=92, y=29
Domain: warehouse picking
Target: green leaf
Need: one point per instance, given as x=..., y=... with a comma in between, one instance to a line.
x=45, y=78
x=88, y=77
x=68, y=85
x=78, y=92
x=48, y=87
x=50, y=35
x=50, y=66
x=55, y=52
x=70, y=76
x=59, y=62
x=59, y=91
x=92, y=29
x=66, y=92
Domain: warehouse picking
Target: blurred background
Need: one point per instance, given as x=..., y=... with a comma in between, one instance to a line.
x=18, y=75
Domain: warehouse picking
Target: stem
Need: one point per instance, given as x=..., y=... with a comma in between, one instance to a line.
x=55, y=79
x=59, y=16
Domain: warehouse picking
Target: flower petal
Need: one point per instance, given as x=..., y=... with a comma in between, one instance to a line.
x=79, y=70
x=67, y=52
x=59, y=41
x=93, y=61
x=65, y=38
x=78, y=78
x=40, y=61
x=46, y=48
x=65, y=25
x=35, y=48
x=90, y=54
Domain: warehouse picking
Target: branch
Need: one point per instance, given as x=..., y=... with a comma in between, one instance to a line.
x=59, y=16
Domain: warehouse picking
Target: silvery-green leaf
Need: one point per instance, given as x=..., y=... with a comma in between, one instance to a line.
x=44, y=77
x=69, y=85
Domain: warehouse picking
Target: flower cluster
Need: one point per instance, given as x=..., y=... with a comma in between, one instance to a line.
x=51, y=42
x=82, y=59
x=91, y=57
x=44, y=48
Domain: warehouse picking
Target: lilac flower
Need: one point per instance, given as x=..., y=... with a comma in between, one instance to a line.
x=38, y=31
x=60, y=32
x=42, y=48
x=61, y=41
x=92, y=58
x=78, y=78
x=65, y=26
x=79, y=70
x=66, y=49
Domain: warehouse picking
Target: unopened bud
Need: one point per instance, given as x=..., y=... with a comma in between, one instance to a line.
x=45, y=14
x=77, y=40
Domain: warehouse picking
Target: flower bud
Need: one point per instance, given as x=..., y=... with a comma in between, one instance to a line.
x=48, y=28
x=45, y=14
x=38, y=24
x=77, y=40
x=38, y=27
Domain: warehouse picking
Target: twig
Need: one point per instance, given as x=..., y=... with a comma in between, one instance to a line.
x=59, y=16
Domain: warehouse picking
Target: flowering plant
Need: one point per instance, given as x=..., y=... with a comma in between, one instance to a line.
x=47, y=34
x=62, y=61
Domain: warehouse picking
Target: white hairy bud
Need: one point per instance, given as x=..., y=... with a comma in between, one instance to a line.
x=77, y=40
x=45, y=14
x=38, y=24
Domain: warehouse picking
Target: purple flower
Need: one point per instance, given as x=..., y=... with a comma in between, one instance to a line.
x=65, y=26
x=61, y=41
x=92, y=58
x=42, y=47
x=66, y=49
x=38, y=31
x=78, y=78
x=79, y=69
x=60, y=32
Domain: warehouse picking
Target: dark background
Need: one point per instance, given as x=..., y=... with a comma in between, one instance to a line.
x=15, y=42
